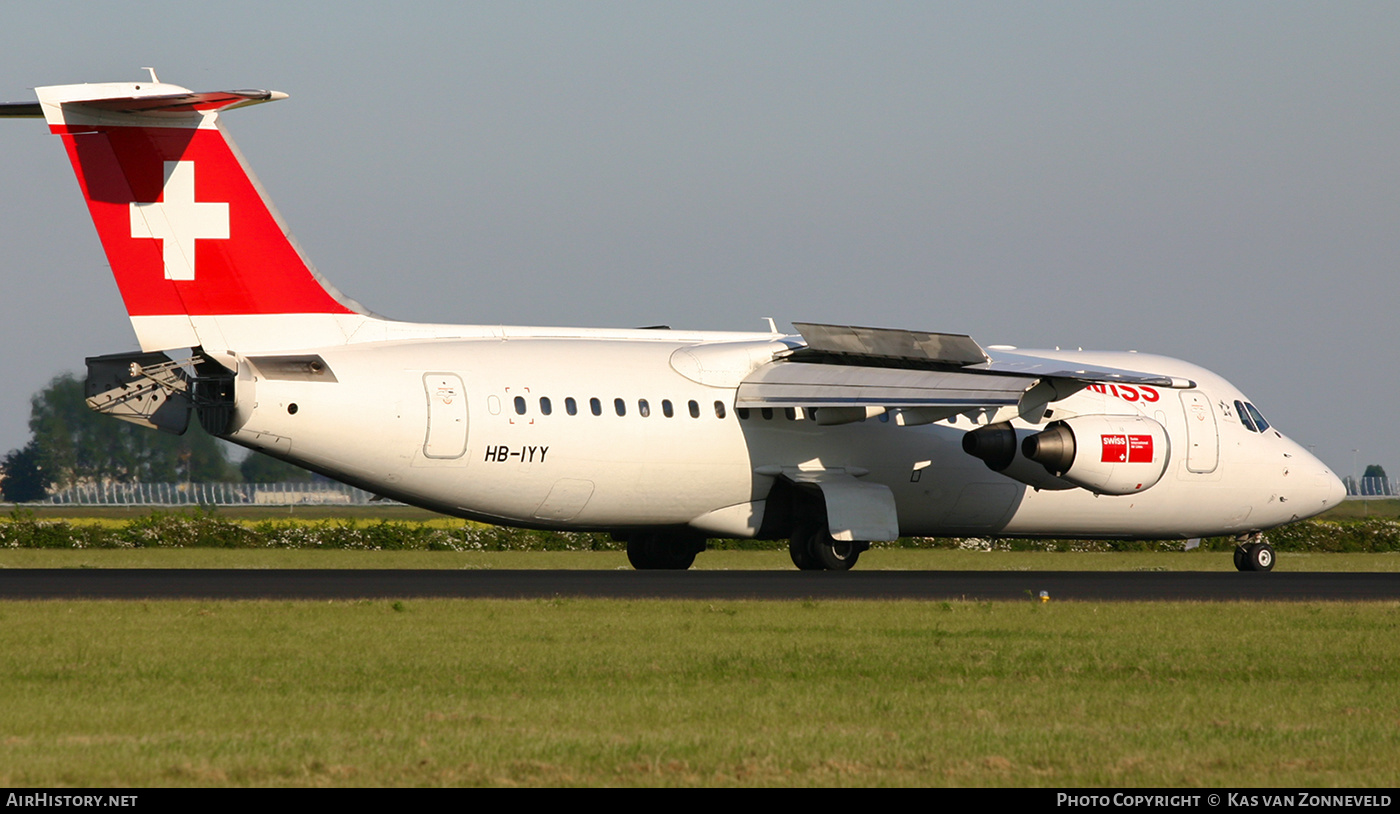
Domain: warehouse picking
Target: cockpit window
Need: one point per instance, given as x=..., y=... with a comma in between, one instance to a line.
x=1258, y=417
x=1244, y=416
x=1250, y=416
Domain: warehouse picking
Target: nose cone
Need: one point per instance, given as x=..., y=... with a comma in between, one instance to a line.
x=1335, y=490
x=1322, y=491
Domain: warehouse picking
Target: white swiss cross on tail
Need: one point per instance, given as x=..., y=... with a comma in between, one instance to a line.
x=178, y=221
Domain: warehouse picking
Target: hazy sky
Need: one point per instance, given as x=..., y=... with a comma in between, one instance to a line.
x=1214, y=181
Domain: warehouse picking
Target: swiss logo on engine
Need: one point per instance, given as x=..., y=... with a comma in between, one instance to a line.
x=1126, y=449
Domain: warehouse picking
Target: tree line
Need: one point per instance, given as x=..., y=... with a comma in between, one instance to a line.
x=70, y=444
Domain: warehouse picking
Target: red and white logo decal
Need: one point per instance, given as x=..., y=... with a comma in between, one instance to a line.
x=162, y=197
x=178, y=220
x=1126, y=449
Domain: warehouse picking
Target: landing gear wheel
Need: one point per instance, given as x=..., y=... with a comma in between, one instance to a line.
x=800, y=549
x=1261, y=557
x=639, y=552
x=680, y=557
x=1254, y=557
x=833, y=554
x=649, y=552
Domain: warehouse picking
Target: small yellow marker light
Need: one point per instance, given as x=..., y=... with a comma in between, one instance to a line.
x=1044, y=596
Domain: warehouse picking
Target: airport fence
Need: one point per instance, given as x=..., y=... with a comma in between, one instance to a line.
x=213, y=494
x=1371, y=487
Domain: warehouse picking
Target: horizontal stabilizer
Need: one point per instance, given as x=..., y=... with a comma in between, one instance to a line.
x=185, y=102
x=21, y=110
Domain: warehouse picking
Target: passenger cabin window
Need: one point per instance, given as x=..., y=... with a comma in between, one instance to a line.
x=520, y=405
x=719, y=409
x=595, y=405
x=643, y=409
x=666, y=408
x=694, y=409
x=620, y=406
x=766, y=412
x=742, y=413
x=570, y=406
x=545, y=406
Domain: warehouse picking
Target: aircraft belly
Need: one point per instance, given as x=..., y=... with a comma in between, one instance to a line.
x=1169, y=510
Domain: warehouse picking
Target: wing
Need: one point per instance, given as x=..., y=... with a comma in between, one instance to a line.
x=851, y=372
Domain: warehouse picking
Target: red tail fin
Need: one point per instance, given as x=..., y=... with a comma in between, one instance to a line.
x=186, y=227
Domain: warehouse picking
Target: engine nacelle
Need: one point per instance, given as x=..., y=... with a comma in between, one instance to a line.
x=1106, y=454
x=999, y=446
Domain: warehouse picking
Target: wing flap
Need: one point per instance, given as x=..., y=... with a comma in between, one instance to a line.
x=804, y=384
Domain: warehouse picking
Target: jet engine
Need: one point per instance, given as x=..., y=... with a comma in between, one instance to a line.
x=1106, y=454
x=999, y=447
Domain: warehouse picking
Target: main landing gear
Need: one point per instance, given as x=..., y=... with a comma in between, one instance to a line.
x=814, y=549
x=1253, y=554
x=662, y=551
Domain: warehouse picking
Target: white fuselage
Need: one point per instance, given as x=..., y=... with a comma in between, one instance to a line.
x=459, y=426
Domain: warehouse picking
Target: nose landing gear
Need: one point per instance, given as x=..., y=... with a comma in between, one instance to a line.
x=1253, y=554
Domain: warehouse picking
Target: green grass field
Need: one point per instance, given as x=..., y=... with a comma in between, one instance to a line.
x=681, y=693
x=594, y=692
x=1368, y=507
